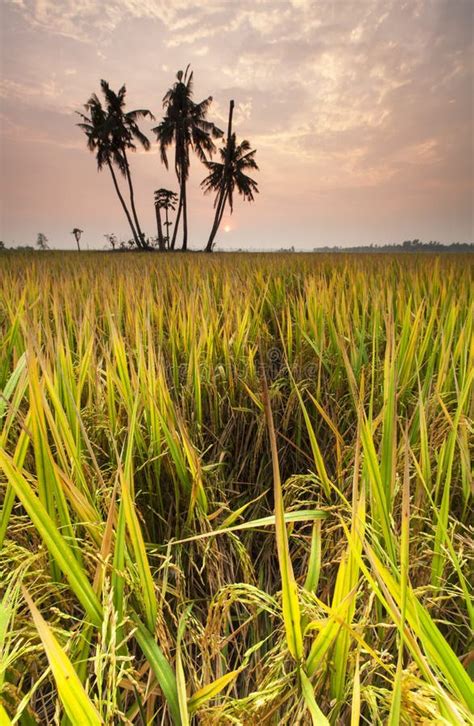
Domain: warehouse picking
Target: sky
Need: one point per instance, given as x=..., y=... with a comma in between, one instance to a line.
x=360, y=110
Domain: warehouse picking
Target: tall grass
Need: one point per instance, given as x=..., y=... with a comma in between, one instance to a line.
x=235, y=489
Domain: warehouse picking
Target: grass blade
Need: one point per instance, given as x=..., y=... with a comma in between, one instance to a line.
x=74, y=698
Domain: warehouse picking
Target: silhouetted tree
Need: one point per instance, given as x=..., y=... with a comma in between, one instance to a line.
x=161, y=239
x=124, y=133
x=164, y=199
x=229, y=175
x=96, y=127
x=185, y=124
x=111, y=239
x=42, y=241
x=77, y=236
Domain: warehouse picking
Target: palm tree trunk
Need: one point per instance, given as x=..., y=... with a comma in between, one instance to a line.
x=167, y=229
x=185, y=218
x=215, y=224
x=222, y=198
x=179, y=173
x=77, y=243
x=132, y=201
x=222, y=194
x=122, y=201
x=221, y=213
x=178, y=216
x=161, y=241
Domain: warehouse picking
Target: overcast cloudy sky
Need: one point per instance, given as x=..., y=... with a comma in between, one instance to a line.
x=360, y=110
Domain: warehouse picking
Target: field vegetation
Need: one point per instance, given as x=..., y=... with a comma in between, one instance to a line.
x=235, y=489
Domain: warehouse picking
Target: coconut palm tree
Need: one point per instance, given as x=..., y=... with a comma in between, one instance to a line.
x=185, y=124
x=111, y=239
x=164, y=199
x=76, y=232
x=97, y=128
x=42, y=241
x=125, y=132
x=161, y=239
x=227, y=176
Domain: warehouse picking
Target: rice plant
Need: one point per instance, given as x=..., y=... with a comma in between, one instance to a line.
x=236, y=489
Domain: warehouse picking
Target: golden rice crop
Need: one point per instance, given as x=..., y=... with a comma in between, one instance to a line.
x=235, y=489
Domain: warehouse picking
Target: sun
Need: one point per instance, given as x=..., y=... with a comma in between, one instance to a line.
x=227, y=228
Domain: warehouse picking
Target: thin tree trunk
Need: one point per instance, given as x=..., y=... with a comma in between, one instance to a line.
x=185, y=219
x=167, y=229
x=217, y=220
x=219, y=215
x=161, y=242
x=122, y=201
x=222, y=194
x=222, y=209
x=178, y=216
x=77, y=243
x=132, y=201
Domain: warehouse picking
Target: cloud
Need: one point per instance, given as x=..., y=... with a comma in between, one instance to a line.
x=361, y=97
x=76, y=18
x=26, y=91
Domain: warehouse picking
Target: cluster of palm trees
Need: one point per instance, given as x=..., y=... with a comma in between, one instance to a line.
x=112, y=132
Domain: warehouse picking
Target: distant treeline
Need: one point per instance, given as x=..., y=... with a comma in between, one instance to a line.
x=414, y=245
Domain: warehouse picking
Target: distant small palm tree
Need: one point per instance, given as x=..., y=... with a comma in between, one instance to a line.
x=185, y=124
x=225, y=177
x=77, y=236
x=167, y=200
x=111, y=239
x=42, y=241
